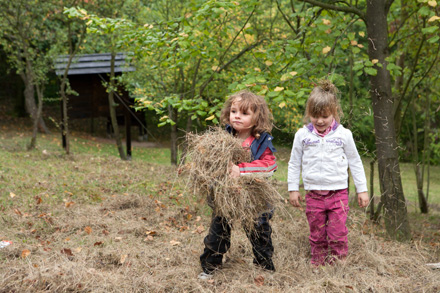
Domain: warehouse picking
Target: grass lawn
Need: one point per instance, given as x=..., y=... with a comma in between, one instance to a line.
x=91, y=222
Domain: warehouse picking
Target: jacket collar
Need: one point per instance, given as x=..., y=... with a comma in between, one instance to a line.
x=310, y=126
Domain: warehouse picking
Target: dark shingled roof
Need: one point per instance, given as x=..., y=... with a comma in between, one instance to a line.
x=92, y=64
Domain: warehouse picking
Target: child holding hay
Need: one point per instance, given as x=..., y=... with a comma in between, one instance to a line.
x=247, y=117
x=322, y=151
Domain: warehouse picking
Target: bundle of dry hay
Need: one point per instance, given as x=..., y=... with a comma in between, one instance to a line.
x=208, y=162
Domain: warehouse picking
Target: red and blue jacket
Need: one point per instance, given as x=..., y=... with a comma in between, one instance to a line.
x=263, y=160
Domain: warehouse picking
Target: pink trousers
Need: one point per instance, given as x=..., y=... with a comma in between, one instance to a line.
x=327, y=215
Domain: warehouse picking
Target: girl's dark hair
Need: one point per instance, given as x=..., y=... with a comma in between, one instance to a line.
x=262, y=118
x=323, y=100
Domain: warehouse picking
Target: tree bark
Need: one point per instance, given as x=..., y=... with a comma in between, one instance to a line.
x=173, y=116
x=39, y=110
x=392, y=197
x=29, y=97
x=112, y=107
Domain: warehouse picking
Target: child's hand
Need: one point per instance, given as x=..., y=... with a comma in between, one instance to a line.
x=295, y=198
x=234, y=171
x=363, y=199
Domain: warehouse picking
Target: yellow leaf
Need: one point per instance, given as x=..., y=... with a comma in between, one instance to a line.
x=11, y=194
x=360, y=45
x=163, y=118
x=354, y=43
x=434, y=18
x=374, y=61
x=257, y=69
x=268, y=63
x=293, y=73
x=215, y=68
x=326, y=50
x=326, y=21
x=362, y=34
x=210, y=117
x=282, y=104
x=278, y=89
x=432, y=3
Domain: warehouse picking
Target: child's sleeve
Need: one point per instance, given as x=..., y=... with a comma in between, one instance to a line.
x=295, y=162
x=264, y=166
x=355, y=164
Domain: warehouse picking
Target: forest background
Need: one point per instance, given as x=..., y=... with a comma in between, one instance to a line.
x=190, y=55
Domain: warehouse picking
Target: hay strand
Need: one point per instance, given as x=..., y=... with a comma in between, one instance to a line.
x=208, y=160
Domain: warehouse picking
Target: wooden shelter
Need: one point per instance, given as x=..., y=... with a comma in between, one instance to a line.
x=86, y=76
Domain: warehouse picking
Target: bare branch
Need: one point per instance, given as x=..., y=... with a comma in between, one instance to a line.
x=348, y=9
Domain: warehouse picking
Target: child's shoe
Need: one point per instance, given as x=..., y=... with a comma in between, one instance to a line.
x=204, y=276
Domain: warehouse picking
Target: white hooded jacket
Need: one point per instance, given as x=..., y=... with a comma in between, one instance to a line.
x=324, y=161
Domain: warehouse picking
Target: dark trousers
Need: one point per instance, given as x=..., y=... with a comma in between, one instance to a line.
x=218, y=241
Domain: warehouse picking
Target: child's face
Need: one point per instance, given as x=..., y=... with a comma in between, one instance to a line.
x=240, y=119
x=322, y=122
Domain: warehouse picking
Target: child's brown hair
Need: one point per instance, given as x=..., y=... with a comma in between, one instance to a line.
x=262, y=118
x=323, y=100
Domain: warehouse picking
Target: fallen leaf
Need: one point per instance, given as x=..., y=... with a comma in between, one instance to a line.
x=88, y=230
x=259, y=281
x=151, y=233
x=38, y=200
x=123, y=258
x=117, y=239
x=200, y=229
x=174, y=243
x=105, y=232
x=12, y=195
x=278, y=89
x=268, y=63
x=282, y=104
x=149, y=238
x=354, y=43
x=198, y=218
x=67, y=251
x=374, y=61
x=432, y=3
x=97, y=243
x=362, y=34
x=25, y=253
x=69, y=204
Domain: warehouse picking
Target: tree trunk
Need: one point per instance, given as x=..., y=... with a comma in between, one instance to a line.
x=418, y=166
x=29, y=96
x=173, y=116
x=39, y=110
x=394, y=204
x=112, y=107
x=372, y=163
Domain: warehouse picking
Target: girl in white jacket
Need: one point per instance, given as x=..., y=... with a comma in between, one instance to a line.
x=323, y=151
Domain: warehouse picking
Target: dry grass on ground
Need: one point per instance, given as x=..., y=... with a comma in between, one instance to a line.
x=97, y=224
